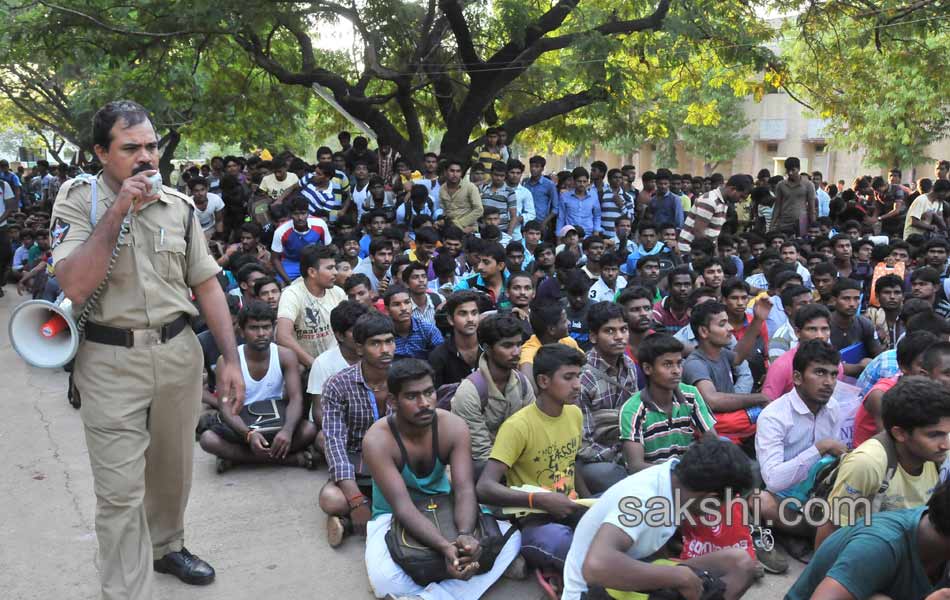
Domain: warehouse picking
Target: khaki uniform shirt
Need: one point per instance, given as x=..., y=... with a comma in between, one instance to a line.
x=156, y=266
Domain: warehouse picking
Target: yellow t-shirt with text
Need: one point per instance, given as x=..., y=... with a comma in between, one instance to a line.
x=862, y=471
x=540, y=449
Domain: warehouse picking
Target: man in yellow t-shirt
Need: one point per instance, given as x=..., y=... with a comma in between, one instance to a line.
x=537, y=446
x=549, y=323
x=916, y=416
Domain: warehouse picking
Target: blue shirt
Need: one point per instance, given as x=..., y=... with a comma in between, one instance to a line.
x=583, y=212
x=824, y=202
x=631, y=267
x=881, y=366
x=420, y=341
x=668, y=209
x=545, y=197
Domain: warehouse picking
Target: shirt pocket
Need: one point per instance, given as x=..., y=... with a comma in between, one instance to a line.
x=169, y=257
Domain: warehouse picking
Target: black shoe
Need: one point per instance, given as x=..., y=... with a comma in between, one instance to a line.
x=798, y=548
x=186, y=566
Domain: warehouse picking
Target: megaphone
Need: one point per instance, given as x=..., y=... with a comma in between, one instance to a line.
x=43, y=333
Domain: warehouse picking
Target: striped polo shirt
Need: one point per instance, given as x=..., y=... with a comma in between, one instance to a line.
x=610, y=212
x=503, y=199
x=710, y=207
x=665, y=436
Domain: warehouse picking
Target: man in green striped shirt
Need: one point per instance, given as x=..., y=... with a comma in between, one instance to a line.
x=660, y=421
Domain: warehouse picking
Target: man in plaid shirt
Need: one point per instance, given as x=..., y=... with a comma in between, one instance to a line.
x=353, y=400
x=608, y=379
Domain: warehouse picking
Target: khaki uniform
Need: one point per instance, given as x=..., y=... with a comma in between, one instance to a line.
x=140, y=404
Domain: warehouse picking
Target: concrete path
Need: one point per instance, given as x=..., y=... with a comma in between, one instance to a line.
x=260, y=528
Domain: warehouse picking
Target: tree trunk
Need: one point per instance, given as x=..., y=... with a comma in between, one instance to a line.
x=169, y=143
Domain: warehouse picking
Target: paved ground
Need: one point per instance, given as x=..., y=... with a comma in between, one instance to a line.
x=260, y=528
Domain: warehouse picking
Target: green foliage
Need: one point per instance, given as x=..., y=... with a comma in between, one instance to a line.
x=877, y=76
x=240, y=75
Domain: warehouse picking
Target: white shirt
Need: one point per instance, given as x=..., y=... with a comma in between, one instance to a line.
x=525, y=208
x=7, y=195
x=652, y=482
x=785, y=438
x=324, y=367
x=271, y=385
x=206, y=216
x=599, y=292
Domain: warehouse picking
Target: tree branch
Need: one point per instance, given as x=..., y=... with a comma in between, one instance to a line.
x=651, y=22
x=121, y=30
x=554, y=108
x=452, y=9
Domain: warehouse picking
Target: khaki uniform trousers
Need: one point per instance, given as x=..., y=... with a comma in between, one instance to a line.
x=139, y=409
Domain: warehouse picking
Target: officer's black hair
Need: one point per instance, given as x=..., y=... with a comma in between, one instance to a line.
x=129, y=112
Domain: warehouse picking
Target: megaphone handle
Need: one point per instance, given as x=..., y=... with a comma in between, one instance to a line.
x=54, y=326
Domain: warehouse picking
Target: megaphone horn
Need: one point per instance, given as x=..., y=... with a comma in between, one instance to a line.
x=44, y=333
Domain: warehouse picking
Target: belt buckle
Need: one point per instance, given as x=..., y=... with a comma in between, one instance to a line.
x=147, y=337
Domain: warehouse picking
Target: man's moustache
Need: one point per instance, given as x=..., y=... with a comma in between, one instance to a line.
x=143, y=167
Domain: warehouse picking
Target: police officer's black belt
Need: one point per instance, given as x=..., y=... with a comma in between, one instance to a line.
x=114, y=336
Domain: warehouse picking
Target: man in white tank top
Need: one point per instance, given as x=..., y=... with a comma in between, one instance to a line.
x=272, y=380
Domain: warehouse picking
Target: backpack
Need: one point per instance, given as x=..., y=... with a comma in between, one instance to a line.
x=425, y=565
x=446, y=392
x=827, y=475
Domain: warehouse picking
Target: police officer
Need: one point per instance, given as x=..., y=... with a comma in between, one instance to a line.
x=139, y=365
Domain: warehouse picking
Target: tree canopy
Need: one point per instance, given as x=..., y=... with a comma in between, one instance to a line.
x=560, y=74
x=572, y=70
x=877, y=71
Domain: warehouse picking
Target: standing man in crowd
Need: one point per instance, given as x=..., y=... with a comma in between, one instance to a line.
x=544, y=192
x=795, y=202
x=460, y=200
x=708, y=214
x=139, y=366
x=580, y=206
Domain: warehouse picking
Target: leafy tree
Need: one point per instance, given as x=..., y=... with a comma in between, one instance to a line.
x=876, y=70
x=56, y=76
x=571, y=67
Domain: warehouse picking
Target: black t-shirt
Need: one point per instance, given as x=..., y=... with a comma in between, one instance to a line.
x=448, y=364
x=860, y=330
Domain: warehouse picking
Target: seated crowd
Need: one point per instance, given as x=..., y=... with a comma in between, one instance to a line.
x=542, y=355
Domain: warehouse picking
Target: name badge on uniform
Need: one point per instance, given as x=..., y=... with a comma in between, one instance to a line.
x=58, y=232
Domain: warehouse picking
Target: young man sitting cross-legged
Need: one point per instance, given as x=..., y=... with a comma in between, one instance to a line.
x=616, y=550
x=539, y=446
x=407, y=454
x=270, y=371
